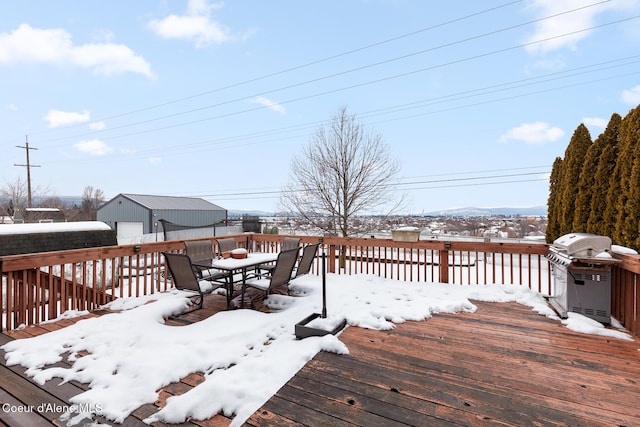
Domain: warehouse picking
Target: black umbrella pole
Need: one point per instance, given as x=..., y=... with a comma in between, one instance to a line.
x=324, y=283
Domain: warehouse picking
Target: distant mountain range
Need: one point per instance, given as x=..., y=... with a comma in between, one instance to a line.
x=506, y=211
x=239, y=214
x=460, y=212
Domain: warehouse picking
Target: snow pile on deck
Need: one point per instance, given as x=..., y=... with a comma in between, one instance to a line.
x=245, y=355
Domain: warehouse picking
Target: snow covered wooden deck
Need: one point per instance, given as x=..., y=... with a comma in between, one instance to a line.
x=466, y=369
x=503, y=364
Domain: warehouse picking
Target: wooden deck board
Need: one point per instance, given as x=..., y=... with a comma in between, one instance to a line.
x=464, y=383
x=502, y=365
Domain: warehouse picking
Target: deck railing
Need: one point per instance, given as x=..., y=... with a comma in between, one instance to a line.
x=42, y=286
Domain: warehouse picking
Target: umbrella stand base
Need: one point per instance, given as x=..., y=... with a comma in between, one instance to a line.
x=303, y=331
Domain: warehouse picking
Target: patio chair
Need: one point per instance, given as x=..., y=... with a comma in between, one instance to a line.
x=226, y=245
x=278, y=281
x=290, y=243
x=308, y=254
x=185, y=278
x=201, y=254
x=287, y=244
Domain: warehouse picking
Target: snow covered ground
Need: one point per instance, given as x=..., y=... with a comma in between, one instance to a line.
x=245, y=355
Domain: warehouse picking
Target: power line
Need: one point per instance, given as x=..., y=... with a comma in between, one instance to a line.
x=507, y=98
x=480, y=171
x=395, y=76
x=437, y=181
x=401, y=107
x=275, y=191
x=306, y=97
x=277, y=195
x=514, y=84
x=308, y=64
x=260, y=196
x=400, y=185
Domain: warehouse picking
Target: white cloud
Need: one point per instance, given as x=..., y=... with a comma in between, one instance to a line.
x=109, y=59
x=595, y=122
x=155, y=160
x=533, y=133
x=196, y=24
x=12, y=107
x=565, y=23
x=103, y=35
x=57, y=118
x=274, y=106
x=95, y=147
x=54, y=46
x=97, y=125
x=632, y=96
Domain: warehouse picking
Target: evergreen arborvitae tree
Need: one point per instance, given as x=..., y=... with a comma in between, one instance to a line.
x=627, y=232
x=574, y=158
x=585, y=186
x=598, y=222
x=553, y=203
x=615, y=196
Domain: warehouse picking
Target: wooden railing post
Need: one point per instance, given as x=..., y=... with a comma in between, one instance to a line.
x=443, y=264
x=332, y=259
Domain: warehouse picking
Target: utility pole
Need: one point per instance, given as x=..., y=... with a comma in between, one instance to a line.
x=28, y=166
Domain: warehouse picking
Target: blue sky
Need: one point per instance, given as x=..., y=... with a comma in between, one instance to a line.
x=203, y=99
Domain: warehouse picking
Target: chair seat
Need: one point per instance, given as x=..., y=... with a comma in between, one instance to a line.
x=211, y=274
x=185, y=278
x=265, y=269
x=259, y=283
x=278, y=281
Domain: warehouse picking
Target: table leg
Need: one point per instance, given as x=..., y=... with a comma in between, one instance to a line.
x=244, y=285
x=229, y=290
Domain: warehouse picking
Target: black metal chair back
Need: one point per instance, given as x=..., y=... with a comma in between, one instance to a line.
x=284, y=267
x=226, y=245
x=183, y=275
x=308, y=254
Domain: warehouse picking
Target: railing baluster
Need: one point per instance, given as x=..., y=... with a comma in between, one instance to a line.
x=40, y=287
x=9, y=300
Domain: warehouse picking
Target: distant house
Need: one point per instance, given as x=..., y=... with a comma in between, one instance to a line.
x=38, y=215
x=137, y=214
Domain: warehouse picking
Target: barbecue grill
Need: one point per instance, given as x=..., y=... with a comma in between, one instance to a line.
x=581, y=270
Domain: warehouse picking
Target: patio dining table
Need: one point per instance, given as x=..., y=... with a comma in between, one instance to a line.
x=237, y=268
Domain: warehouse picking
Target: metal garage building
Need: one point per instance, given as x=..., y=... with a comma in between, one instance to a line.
x=137, y=214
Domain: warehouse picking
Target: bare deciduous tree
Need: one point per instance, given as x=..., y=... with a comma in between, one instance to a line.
x=345, y=170
x=17, y=193
x=91, y=201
